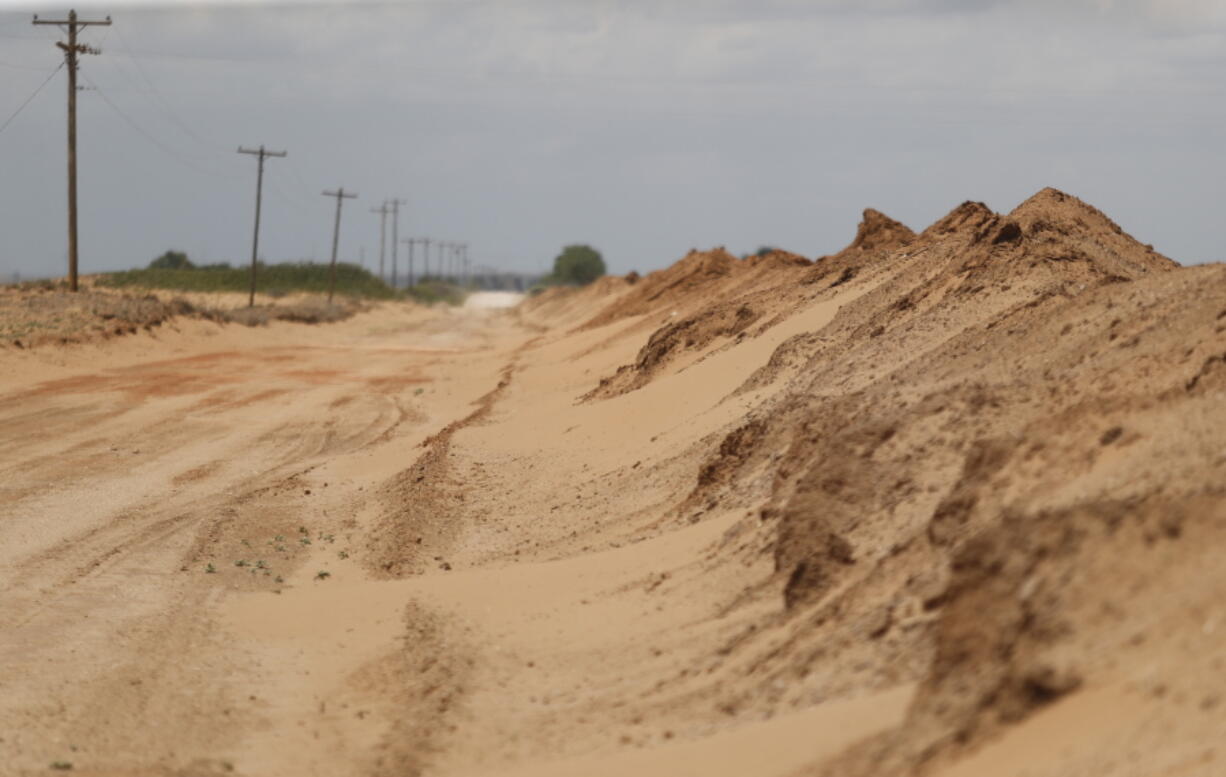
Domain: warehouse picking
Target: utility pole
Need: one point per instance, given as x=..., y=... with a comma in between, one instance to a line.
x=261, y=152
x=411, y=241
x=71, y=50
x=425, y=257
x=396, y=203
x=442, y=269
x=340, y=196
x=382, y=210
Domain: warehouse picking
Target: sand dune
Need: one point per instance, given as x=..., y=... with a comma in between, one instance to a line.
x=946, y=502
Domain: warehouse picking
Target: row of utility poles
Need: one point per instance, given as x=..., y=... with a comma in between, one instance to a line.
x=453, y=265
x=340, y=194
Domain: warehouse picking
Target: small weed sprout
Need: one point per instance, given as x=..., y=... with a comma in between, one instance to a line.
x=323, y=574
x=260, y=564
x=344, y=554
x=305, y=540
x=61, y=766
x=278, y=579
x=210, y=569
x=240, y=563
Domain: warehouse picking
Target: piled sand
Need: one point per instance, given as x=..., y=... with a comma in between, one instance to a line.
x=943, y=503
x=1003, y=405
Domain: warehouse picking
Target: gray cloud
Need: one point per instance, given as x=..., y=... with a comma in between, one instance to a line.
x=644, y=128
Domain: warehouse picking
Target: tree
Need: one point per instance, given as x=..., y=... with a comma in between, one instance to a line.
x=171, y=260
x=578, y=265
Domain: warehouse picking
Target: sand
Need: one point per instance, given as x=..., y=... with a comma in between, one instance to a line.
x=944, y=502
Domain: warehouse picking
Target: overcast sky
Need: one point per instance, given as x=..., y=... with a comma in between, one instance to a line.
x=643, y=128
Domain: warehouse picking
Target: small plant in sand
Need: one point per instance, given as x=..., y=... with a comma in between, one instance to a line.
x=210, y=569
x=323, y=574
x=344, y=554
x=260, y=564
x=304, y=540
x=61, y=766
x=240, y=563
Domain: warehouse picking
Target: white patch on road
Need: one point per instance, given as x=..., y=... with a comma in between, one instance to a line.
x=493, y=299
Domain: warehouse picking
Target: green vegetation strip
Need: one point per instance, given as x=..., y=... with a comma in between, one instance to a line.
x=273, y=279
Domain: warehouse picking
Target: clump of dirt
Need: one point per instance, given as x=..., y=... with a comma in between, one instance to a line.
x=876, y=236
x=879, y=232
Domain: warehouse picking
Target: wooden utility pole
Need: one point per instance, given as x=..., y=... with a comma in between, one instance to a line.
x=410, y=241
x=71, y=50
x=425, y=257
x=442, y=269
x=396, y=203
x=382, y=210
x=340, y=196
x=261, y=152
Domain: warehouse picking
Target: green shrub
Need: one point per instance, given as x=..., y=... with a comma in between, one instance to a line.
x=577, y=265
x=171, y=260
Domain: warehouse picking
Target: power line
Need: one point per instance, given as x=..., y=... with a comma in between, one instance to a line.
x=28, y=67
x=161, y=101
x=21, y=107
x=179, y=156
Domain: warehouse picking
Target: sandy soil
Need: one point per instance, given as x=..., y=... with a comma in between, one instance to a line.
x=945, y=503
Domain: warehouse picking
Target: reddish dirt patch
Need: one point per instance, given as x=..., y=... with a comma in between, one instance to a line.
x=314, y=377
x=396, y=382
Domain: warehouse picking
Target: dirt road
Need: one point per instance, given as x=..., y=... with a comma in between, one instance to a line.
x=149, y=506
x=357, y=549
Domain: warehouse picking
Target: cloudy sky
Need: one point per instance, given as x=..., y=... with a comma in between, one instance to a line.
x=642, y=127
